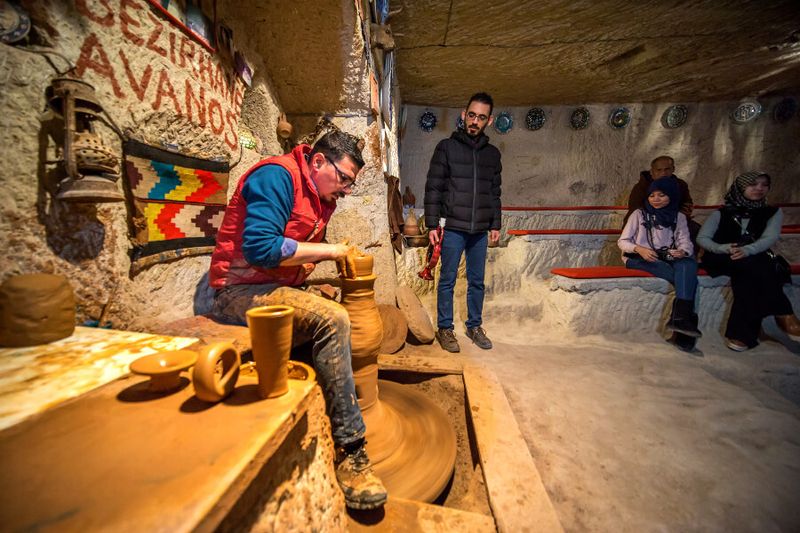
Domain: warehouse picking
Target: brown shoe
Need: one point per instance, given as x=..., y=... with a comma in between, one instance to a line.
x=736, y=345
x=790, y=325
x=361, y=487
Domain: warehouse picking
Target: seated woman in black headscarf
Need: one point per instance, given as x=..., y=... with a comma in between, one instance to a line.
x=737, y=239
x=656, y=239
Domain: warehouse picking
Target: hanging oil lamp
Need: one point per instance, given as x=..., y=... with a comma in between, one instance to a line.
x=91, y=166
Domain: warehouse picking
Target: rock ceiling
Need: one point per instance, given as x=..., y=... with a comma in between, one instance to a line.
x=572, y=52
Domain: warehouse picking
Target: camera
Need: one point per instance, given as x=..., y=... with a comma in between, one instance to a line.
x=663, y=254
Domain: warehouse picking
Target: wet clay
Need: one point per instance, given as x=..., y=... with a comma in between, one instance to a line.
x=410, y=441
x=271, y=337
x=36, y=309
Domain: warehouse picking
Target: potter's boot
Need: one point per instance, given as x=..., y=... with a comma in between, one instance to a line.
x=683, y=319
x=361, y=487
x=790, y=325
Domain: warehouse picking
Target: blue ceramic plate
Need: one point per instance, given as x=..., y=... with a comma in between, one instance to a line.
x=579, y=119
x=675, y=116
x=619, y=118
x=746, y=112
x=459, y=122
x=427, y=121
x=535, y=118
x=503, y=122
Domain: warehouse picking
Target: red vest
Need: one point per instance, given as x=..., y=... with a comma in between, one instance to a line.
x=306, y=224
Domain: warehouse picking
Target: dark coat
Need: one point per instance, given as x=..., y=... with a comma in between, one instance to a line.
x=463, y=184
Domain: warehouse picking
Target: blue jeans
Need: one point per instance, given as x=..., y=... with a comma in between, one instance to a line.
x=681, y=273
x=328, y=325
x=454, y=243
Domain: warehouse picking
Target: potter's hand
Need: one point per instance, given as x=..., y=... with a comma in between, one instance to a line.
x=345, y=259
x=647, y=254
x=494, y=235
x=737, y=253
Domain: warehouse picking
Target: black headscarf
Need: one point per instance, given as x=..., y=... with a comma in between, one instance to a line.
x=667, y=216
x=735, y=199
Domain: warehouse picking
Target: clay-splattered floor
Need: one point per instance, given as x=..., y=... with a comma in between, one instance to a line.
x=634, y=435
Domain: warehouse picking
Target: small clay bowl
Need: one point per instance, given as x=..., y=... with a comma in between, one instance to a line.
x=296, y=369
x=164, y=368
x=416, y=241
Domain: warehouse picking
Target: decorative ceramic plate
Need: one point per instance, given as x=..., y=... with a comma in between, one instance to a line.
x=459, y=122
x=675, y=116
x=14, y=23
x=535, y=118
x=579, y=119
x=427, y=121
x=503, y=122
x=785, y=110
x=619, y=118
x=746, y=112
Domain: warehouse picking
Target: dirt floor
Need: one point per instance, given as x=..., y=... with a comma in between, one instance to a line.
x=634, y=435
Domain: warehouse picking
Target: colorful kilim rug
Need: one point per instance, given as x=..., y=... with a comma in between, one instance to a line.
x=178, y=203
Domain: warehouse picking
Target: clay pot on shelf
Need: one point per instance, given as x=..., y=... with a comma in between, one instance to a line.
x=285, y=128
x=411, y=224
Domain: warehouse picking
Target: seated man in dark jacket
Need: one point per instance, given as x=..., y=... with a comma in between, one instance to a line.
x=463, y=188
x=661, y=167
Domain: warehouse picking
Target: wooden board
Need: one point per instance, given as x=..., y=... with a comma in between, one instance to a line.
x=121, y=459
x=35, y=378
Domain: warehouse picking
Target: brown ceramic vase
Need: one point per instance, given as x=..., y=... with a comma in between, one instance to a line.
x=271, y=337
x=366, y=334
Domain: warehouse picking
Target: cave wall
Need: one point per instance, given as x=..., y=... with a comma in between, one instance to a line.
x=559, y=166
x=161, y=87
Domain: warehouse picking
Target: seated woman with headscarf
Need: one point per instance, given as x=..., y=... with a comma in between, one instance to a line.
x=656, y=239
x=737, y=239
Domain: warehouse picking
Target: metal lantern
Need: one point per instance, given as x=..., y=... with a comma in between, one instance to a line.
x=92, y=168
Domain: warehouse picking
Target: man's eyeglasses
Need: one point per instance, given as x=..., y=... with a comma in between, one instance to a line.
x=347, y=181
x=472, y=115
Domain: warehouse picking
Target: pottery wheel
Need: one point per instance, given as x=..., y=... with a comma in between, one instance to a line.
x=417, y=459
x=419, y=323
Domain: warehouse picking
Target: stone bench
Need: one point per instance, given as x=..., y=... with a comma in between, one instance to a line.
x=616, y=300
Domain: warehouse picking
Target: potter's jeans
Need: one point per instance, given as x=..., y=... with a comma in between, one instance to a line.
x=454, y=243
x=681, y=273
x=315, y=318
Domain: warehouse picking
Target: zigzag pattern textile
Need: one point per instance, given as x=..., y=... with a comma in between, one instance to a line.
x=178, y=203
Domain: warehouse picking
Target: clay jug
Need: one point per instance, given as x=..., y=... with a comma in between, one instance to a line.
x=366, y=335
x=411, y=225
x=271, y=337
x=216, y=371
x=285, y=128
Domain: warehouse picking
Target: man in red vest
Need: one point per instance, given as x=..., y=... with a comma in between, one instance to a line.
x=269, y=241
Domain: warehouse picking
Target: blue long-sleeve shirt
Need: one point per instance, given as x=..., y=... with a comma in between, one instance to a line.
x=269, y=194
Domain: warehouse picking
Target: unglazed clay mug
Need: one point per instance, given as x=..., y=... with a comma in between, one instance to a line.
x=271, y=338
x=216, y=371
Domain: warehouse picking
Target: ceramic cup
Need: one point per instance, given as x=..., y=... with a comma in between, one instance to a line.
x=271, y=338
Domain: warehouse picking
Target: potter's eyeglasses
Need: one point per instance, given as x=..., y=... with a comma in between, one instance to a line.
x=474, y=115
x=347, y=181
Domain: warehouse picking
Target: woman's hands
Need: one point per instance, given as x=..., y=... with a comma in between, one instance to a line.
x=676, y=254
x=645, y=253
x=736, y=252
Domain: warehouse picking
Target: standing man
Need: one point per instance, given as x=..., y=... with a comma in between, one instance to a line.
x=269, y=242
x=462, y=192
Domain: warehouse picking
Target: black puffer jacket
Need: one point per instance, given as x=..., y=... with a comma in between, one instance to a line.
x=463, y=184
